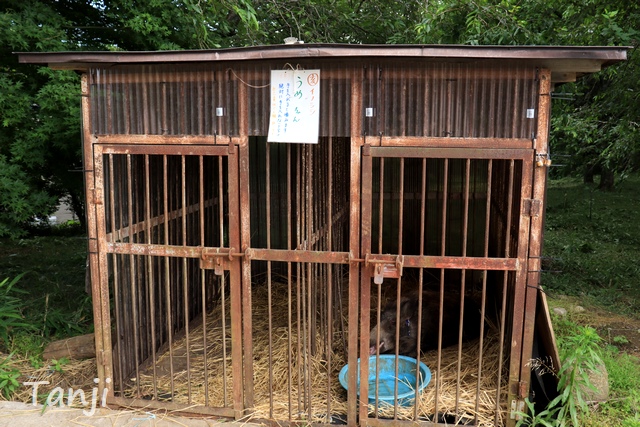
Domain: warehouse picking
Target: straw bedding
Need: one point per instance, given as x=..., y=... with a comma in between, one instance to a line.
x=74, y=374
x=305, y=396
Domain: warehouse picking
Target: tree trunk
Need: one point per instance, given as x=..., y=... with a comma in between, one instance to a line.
x=607, y=179
x=589, y=173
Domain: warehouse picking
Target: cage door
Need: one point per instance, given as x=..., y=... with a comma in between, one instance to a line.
x=168, y=235
x=443, y=242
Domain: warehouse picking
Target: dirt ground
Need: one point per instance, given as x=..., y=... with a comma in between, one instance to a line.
x=615, y=329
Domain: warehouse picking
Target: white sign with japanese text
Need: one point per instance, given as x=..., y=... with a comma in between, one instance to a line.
x=295, y=106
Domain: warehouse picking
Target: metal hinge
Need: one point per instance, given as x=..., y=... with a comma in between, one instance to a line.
x=96, y=196
x=517, y=408
x=100, y=358
x=532, y=207
x=523, y=389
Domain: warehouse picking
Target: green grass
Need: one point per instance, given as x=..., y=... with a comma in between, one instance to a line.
x=593, y=239
x=592, y=245
x=54, y=302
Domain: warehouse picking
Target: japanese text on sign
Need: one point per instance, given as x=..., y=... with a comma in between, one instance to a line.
x=295, y=106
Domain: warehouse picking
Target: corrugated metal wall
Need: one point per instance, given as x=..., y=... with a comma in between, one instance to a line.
x=407, y=99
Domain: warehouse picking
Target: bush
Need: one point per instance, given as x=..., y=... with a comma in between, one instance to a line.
x=10, y=311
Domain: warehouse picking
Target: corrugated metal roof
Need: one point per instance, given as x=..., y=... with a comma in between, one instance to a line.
x=565, y=62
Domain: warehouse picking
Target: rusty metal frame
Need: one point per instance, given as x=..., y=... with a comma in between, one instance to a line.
x=517, y=265
x=218, y=259
x=538, y=194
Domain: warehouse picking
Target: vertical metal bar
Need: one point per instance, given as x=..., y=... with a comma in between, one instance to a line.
x=381, y=205
x=329, y=247
x=116, y=278
x=365, y=291
x=289, y=279
x=443, y=236
x=223, y=297
x=132, y=278
x=300, y=299
x=399, y=283
x=300, y=217
x=94, y=181
x=505, y=283
x=379, y=290
x=167, y=277
x=465, y=229
x=536, y=230
x=308, y=233
x=185, y=287
x=269, y=301
x=354, y=248
x=240, y=236
x=311, y=338
x=203, y=287
x=240, y=222
x=423, y=202
x=150, y=276
x=484, y=290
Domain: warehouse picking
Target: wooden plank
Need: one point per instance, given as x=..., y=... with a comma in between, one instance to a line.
x=80, y=347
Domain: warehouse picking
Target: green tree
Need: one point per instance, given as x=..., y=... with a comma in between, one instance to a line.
x=39, y=136
x=39, y=108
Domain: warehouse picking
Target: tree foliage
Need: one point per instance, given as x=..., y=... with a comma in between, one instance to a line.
x=39, y=108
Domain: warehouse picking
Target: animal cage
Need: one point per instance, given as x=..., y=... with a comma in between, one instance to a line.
x=235, y=277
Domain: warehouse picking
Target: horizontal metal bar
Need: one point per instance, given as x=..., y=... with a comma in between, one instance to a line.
x=380, y=422
x=160, y=140
x=170, y=406
x=452, y=142
x=461, y=263
x=128, y=230
x=298, y=256
x=453, y=153
x=155, y=250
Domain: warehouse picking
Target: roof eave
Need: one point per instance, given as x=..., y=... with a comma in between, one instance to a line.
x=565, y=62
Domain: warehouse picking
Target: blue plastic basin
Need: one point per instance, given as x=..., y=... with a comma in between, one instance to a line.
x=387, y=379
